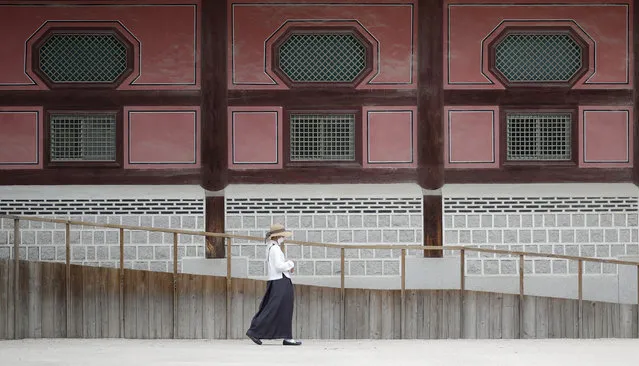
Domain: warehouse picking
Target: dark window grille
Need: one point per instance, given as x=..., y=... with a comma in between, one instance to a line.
x=322, y=137
x=85, y=137
x=539, y=136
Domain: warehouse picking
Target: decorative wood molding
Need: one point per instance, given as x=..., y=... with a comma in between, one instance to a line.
x=99, y=98
x=539, y=174
x=546, y=96
x=59, y=176
x=327, y=175
x=321, y=97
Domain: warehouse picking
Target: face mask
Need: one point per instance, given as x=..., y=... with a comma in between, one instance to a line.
x=280, y=240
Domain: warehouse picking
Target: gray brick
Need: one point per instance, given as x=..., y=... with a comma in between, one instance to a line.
x=141, y=265
x=632, y=249
x=331, y=221
x=357, y=268
x=374, y=236
x=323, y=268
x=188, y=222
x=292, y=222
x=318, y=252
x=587, y=250
x=158, y=266
x=473, y=267
x=314, y=236
x=4, y=237
x=33, y=224
x=22, y=254
x=531, y=248
x=155, y=238
x=28, y=237
x=146, y=221
x=510, y=236
x=345, y=236
x=330, y=236
x=583, y=236
x=539, y=236
x=633, y=220
x=384, y=221
x=553, y=236
x=558, y=249
x=374, y=268
x=491, y=267
x=525, y=236
x=479, y=236
x=611, y=236
x=351, y=253
x=162, y=252
x=605, y=220
x=112, y=237
x=233, y=222
x=201, y=252
x=115, y=220
x=60, y=253
x=459, y=221
x=249, y=251
x=299, y=235
x=619, y=220
x=355, y=221
x=500, y=221
x=448, y=221
x=367, y=253
x=370, y=221
x=90, y=253
x=592, y=268
x=635, y=235
x=592, y=220
x=473, y=221
x=98, y=237
x=114, y=253
x=383, y=253
x=342, y=221
x=572, y=267
x=559, y=266
x=486, y=221
x=502, y=247
x=257, y=268
x=419, y=236
x=33, y=253
x=603, y=250
x=79, y=253
x=46, y=254
x=400, y=221
x=596, y=236
x=406, y=236
x=550, y=220
x=185, y=239
x=391, y=268
x=528, y=266
x=451, y=237
x=616, y=250
x=141, y=237
x=538, y=220
x=265, y=221
x=44, y=237
x=609, y=268
x=359, y=236
x=578, y=220
x=567, y=236
x=130, y=253
x=145, y=252
x=563, y=220
x=572, y=250
x=319, y=221
x=292, y=251
x=131, y=220
x=333, y=252
x=509, y=266
x=389, y=236
x=464, y=237
x=517, y=248
x=545, y=248
x=248, y=222
x=417, y=221
x=102, y=253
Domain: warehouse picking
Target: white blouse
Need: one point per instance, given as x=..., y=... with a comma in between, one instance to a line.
x=276, y=262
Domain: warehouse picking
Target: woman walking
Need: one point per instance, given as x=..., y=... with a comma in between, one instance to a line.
x=274, y=319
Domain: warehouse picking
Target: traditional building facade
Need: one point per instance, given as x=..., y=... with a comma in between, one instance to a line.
x=502, y=124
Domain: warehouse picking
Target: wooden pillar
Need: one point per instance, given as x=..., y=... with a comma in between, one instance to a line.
x=214, y=95
x=433, y=224
x=635, y=41
x=215, y=224
x=430, y=97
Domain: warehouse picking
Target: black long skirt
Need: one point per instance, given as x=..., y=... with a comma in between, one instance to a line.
x=274, y=319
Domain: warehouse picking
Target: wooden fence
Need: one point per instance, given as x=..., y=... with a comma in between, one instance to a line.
x=41, y=299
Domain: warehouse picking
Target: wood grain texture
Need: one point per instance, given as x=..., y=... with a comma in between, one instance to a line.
x=433, y=233
x=215, y=216
x=635, y=91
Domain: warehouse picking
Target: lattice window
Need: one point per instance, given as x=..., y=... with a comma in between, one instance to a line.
x=83, y=58
x=322, y=57
x=322, y=137
x=539, y=136
x=538, y=57
x=83, y=137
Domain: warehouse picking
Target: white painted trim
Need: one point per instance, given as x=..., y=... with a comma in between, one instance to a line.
x=101, y=192
x=323, y=190
x=536, y=189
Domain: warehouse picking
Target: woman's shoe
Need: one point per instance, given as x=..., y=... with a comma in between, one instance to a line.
x=256, y=340
x=291, y=342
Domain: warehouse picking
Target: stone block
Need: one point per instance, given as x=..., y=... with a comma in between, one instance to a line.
x=563, y=220
x=531, y=248
x=617, y=250
x=345, y=236
x=374, y=268
x=509, y=266
x=359, y=236
x=473, y=267
x=333, y=253
x=145, y=252
x=389, y=236
x=391, y=268
x=370, y=221
x=500, y=221
x=265, y=221
x=33, y=224
x=78, y=253
x=299, y=235
x=188, y=223
x=141, y=265
x=33, y=253
x=558, y=249
x=602, y=250
x=131, y=220
x=142, y=237
x=293, y=251
x=416, y=221
x=587, y=250
x=357, y=268
x=605, y=220
x=596, y=236
x=486, y=254
x=331, y=221
x=572, y=250
x=98, y=237
x=609, y=268
x=592, y=220
x=355, y=221
x=176, y=222
x=158, y=266
x=510, y=236
x=479, y=236
x=538, y=220
x=4, y=237
x=528, y=266
x=318, y=252
x=314, y=236
x=257, y=268
x=102, y=253
x=451, y=237
x=22, y=253
x=473, y=221
x=233, y=222
x=248, y=222
x=546, y=248
x=400, y=221
x=464, y=237
x=162, y=252
x=592, y=268
x=342, y=221
x=112, y=237
x=567, y=236
x=633, y=220
x=366, y=253
x=459, y=221
x=550, y=220
x=86, y=237
x=46, y=254
x=553, y=236
x=90, y=253
x=632, y=249
x=448, y=222
x=383, y=221
x=146, y=221
x=611, y=235
x=539, y=236
x=559, y=266
x=329, y=236
x=304, y=268
x=351, y=253
x=323, y=268
x=525, y=236
x=60, y=253
x=635, y=235
x=292, y=222
x=619, y=220
x=486, y=221
x=28, y=237
x=578, y=220
x=155, y=238
x=383, y=253
x=407, y=236
x=185, y=239
x=583, y=236
x=130, y=253
x=491, y=266
x=43, y=238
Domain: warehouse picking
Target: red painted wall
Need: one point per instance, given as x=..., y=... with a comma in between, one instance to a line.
x=21, y=138
x=164, y=33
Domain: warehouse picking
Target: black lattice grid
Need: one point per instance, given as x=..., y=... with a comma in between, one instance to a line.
x=83, y=137
x=322, y=57
x=322, y=137
x=83, y=58
x=538, y=57
x=539, y=136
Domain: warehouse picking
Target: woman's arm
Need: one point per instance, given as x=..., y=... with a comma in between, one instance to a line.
x=279, y=261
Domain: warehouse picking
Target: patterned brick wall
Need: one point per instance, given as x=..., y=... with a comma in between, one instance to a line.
x=603, y=225
x=100, y=247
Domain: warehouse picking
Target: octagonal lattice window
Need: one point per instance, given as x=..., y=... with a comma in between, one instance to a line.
x=322, y=58
x=93, y=58
x=539, y=58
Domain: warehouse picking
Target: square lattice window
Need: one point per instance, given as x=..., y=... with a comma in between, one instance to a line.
x=82, y=137
x=322, y=137
x=539, y=136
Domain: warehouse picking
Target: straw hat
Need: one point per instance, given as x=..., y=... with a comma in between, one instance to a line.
x=278, y=230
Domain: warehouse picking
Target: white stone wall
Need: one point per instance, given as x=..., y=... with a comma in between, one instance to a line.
x=592, y=220
x=179, y=207
x=353, y=214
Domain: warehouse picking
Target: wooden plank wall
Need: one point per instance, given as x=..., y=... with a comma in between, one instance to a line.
x=94, y=309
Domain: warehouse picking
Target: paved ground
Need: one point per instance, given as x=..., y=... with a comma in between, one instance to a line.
x=116, y=352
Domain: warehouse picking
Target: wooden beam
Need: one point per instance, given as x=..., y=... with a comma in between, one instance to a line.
x=215, y=224
x=430, y=101
x=214, y=95
x=433, y=225
x=541, y=96
x=16, y=279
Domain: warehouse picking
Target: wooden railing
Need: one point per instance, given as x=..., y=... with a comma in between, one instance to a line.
x=229, y=279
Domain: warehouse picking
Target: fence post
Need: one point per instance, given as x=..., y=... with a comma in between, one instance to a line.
x=342, y=315
x=462, y=290
x=403, y=294
x=121, y=274
x=637, y=301
x=16, y=277
x=521, y=295
x=67, y=262
x=175, y=286
x=580, y=275
x=229, y=280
